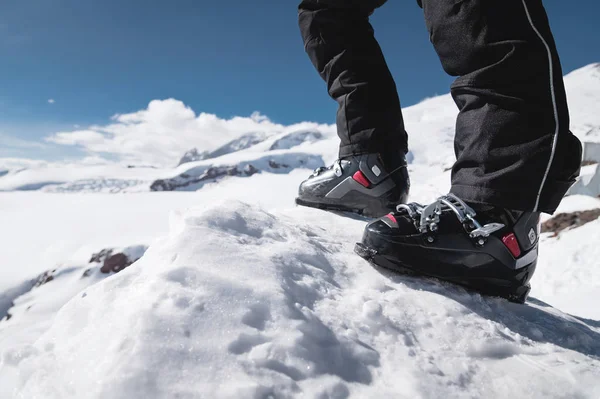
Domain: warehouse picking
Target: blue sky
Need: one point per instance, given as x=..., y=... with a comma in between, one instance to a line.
x=95, y=59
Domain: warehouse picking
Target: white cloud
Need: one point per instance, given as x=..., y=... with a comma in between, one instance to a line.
x=162, y=132
x=51, y=101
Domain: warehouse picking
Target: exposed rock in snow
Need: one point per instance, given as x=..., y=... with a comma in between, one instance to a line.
x=296, y=138
x=192, y=156
x=108, y=186
x=195, y=177
x=190, y=182
x=241, y=143
x=564, y=221
x=115, y=260
x=7, y=298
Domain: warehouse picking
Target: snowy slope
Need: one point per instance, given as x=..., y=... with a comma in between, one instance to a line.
x=583, y=95
x=284, y=309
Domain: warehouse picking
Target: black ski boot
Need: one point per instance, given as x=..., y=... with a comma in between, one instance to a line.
x=361, y=184
x=493, y=251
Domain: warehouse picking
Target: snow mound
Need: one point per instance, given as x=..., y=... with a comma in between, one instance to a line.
x=28, y=309
x=237, y=303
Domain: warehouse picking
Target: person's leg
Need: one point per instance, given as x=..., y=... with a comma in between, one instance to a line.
x=515, y=154
x=370, y=176
x=340, y=42
x=513, y=144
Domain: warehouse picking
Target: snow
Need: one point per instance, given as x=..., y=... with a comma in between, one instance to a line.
x=45, y=229
x=588, y=182
x=583, y=92
x=283, y=309
x=242, y=294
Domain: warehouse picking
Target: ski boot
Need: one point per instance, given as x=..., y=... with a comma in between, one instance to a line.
x=493, y=251
x=360, y=184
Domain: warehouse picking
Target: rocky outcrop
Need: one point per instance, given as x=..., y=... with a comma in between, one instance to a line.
x=7, y=298
x=196, y=176
x=241, y=143
x=211, y=174
x=564, y=221
x=293, y=139
x=113, y=261
x=193, y=155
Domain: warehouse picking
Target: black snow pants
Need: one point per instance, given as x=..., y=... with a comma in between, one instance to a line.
x=513, y=144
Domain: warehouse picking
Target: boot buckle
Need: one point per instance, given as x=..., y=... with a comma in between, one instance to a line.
x=430, y=218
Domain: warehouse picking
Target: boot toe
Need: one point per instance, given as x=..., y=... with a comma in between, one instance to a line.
x=382, y=226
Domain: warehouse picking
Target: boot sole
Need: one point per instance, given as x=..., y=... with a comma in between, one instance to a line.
x=513, y=294
x=341, y=208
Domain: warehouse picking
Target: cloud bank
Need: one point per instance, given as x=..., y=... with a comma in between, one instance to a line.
x=162, y=132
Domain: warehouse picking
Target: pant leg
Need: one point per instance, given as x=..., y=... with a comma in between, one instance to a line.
x=513, y=144
x=340, y=43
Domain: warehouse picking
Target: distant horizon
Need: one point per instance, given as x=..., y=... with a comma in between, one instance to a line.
x=176, y=122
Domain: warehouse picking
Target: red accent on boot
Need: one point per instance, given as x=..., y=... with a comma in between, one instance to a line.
x=512, y=244
x=361, y=179
x=391, y=217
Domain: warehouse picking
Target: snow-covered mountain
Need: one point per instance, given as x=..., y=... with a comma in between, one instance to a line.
x=242, y=294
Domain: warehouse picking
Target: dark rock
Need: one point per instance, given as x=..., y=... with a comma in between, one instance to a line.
x=192, y=156
x=249, y=170
x=111, y=262
x=44, y=278
x=296, y=138
x=101, y=256
x=213, y=173
x=115, y=263
x=565, y=221
x=276, y=165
